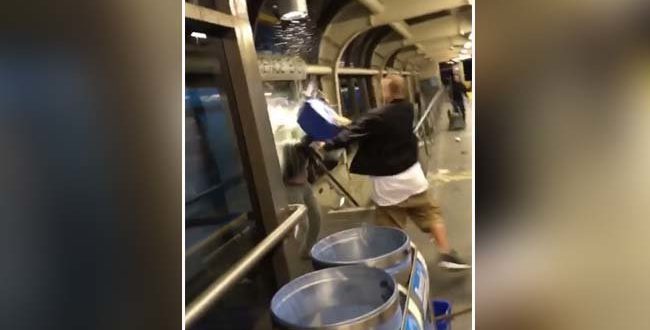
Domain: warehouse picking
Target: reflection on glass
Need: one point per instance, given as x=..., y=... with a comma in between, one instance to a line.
x=356, y=96
x=218, y=227
x=221, y=226
x=213, y=158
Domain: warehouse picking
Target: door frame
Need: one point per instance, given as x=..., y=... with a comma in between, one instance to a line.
x=251, y=121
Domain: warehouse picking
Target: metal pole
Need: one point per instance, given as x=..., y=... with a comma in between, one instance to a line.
x=320, y=164
x=219, y=287
x=454, y=314
x=429, y=108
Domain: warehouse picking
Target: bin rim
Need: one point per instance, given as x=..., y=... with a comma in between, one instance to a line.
x=406, y=246
x=388, y=305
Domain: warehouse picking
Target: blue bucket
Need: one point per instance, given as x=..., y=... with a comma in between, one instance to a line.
x=440, y=308
x=317, y=120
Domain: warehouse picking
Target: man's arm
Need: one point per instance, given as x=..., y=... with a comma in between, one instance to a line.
x=354, y=132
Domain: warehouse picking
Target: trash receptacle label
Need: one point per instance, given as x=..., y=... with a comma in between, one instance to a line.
x=419, y=281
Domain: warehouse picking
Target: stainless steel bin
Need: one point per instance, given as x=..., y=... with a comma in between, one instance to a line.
x=347, y=297
x=380, y=247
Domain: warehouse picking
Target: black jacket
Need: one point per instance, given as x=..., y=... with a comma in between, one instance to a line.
x=387, y=145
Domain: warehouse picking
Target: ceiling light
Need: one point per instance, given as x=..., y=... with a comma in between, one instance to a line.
x=468, y=45
x=293, y=9
x=199, y=35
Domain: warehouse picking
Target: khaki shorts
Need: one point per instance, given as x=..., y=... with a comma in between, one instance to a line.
x=421, y=208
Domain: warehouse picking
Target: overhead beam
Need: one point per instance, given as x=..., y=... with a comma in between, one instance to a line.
x=402, y=28
x=438, y=28
x=445, y=55
x=398, y=10
x=211, y=16
x=405, y=56
x=357, y=71
x=374, y=6
x=439, y=42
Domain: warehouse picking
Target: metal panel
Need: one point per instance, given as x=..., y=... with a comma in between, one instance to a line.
x=210, y=16
x=267, y=183
x=396, y=10
x=279, y=67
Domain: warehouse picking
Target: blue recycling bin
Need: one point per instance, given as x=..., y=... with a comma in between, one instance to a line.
x=440, y=308
x=316, y=118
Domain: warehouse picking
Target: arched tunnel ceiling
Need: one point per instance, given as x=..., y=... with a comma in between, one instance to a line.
x=371, y=31
x=359, y=52
x=399, y=10
x=438, y=29
x=446, y=26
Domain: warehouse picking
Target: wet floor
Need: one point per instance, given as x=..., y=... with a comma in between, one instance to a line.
x=450, y=175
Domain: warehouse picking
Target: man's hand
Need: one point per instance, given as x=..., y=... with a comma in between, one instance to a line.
x=318, y=145
x=342, y=121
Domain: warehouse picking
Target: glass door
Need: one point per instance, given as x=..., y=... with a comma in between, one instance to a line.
x=220, y=223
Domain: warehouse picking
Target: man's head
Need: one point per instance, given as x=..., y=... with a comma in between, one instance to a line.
x=393, y=88
x=457, y=78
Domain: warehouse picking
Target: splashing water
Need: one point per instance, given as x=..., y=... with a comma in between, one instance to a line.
x=364, y=234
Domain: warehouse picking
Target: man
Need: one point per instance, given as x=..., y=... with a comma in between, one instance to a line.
x=388, y=153
x=295, y=174
x=458, y=93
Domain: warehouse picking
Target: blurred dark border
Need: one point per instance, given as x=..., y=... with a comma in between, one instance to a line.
x=561, y=164
x=91, y=170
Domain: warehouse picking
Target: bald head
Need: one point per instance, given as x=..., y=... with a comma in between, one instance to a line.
x=393, y=87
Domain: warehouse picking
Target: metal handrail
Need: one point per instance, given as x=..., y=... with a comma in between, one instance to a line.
x=226, y=183
x=217, y=235
x=434, y=100
x=218, y=288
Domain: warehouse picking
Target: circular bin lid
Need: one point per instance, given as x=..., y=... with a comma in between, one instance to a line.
x=370, y=245
x=339, y=296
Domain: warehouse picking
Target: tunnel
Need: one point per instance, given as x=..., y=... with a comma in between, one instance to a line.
x=250, y=68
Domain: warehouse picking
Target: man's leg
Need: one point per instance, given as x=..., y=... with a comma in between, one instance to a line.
x=313, y=215
x=302, y=194
x=439, y=232
x=460, y=107
x=427, y=215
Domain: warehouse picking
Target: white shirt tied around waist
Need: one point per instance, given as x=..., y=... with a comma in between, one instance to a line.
x=394, y=189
